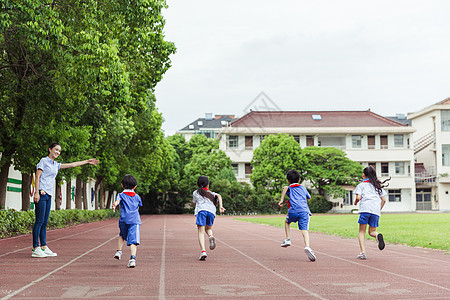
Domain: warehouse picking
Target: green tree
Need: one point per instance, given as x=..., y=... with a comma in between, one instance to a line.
x=276, y=155
x=329, y=168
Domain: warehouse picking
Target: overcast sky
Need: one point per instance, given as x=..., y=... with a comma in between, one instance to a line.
x=388, y=56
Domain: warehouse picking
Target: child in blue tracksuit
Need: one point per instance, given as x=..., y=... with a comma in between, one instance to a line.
x=129, y=221
x=298, y=210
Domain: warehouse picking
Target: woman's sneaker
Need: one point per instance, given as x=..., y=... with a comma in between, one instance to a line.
x=131, y=263
x=212, y=243
x=310, y=254
x=203, y=256
x=361, y=256
x=38, y=252
x=380, y=241
x=49, y=252
x=286, y=243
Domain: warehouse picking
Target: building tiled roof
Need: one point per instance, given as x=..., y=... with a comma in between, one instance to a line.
x=208, y=123
x=321, y=119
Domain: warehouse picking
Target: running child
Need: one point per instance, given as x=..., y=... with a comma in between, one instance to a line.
x=298, y=211
x=371, y=197
x=129, y=221
x=205, y=203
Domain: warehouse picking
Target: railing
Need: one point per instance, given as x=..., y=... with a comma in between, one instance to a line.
x=425, y=177
x=424, y=142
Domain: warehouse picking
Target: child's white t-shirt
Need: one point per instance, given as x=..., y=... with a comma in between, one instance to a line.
x=203, y=203
x=370, y=200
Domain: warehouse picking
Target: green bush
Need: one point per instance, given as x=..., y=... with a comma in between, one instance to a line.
x=14, y=222
x=319, y=204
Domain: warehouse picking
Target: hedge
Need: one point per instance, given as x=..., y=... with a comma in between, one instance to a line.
x=14, y=222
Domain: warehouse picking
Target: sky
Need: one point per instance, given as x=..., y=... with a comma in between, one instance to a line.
x=387, y=56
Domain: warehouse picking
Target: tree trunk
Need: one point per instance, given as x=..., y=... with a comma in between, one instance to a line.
x=97, y=183
x=78, y=194
x=26, y=191
x=102, y=196
x=85, y=199
x=108, y=204
x=58, y=195
x=69, y=194
x=3, y=183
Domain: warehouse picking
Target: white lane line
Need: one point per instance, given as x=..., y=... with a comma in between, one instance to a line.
x=356, y=263
x=343, y=241
x=61, y=238
x=56, y=270
x=162, y=272
x=273, y=272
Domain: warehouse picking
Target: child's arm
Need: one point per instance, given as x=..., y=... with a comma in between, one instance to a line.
x=383, y=202
x=115, y=204
x=283, y=193
x=221, y=208
x=358, y=198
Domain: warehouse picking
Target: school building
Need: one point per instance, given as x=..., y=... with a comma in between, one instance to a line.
x=366, y=137
x=208, y=126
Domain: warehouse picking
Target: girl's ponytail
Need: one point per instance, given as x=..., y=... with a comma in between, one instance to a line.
x=202, y=183
x=371, y=174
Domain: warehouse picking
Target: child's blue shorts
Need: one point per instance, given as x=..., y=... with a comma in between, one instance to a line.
x=368, y=218
x=301, y=217
x=205, y=218
x=130, y=233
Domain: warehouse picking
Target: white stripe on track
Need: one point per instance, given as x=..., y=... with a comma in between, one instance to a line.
x=61, y=238
x=162, y=272
x=353, y=262
x=56, y=270
x=273, y=272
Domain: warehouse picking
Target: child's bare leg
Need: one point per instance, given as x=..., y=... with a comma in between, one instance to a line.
x=201, y=237
x=133, y=249
x=305, y=234
x=287, y=229
x=361, y=237
x=208, y=230
x=373, y=231
x=120, y=242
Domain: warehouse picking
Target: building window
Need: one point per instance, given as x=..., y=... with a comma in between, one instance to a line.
x=297, y=138
x=309, y=140
x=248, y=170
x=398, y=140
x=384, y=169
x=235, y=168
x=371, y=142
x=356, y=141
x=399, y=168
x=248, y=143
x=261, y=138
x=394, y=195
x=348, y=199
x=446, y=155
x=445, y=120
x=383, y=141
x=233, y=141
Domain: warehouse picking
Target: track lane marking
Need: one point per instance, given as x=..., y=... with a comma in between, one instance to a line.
x=352, y=262
x=56, y=270
x=162, y=272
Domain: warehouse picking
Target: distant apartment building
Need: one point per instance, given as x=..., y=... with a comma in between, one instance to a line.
x=366, y=137
x=209, y=126
x=432, y=154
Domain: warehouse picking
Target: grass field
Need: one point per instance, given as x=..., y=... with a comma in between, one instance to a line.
x=416, y=230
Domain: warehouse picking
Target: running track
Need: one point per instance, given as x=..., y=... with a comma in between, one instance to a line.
x=247, y=263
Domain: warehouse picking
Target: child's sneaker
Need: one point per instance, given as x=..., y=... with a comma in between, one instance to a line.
x=286, y=243
x=49, y=252
x=212, y=243
x=38, y=252
x=361, y=256
x=203, y=256
x=310, y=254
x=118, y=255
x=380, y=241
x=131, y=263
